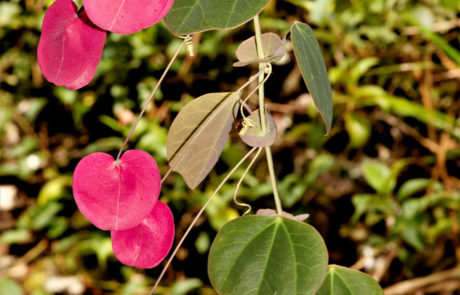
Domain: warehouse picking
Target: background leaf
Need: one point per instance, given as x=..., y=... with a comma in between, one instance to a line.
x=346, y=281
x=198, y=135
x=191, y=16
x=263, y=254
x=310, y=60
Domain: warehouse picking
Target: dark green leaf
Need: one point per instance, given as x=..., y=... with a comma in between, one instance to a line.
x=192, y=16
x=308, y=55
x=265, y=254
x=198, y=135
x=346, y=281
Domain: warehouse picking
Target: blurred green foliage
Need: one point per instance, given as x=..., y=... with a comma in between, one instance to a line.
x=381, y=189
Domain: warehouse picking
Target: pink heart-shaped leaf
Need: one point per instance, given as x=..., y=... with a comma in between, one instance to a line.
x=126, y=16
x=147, y=244
x=70, y=46
x=116, y=196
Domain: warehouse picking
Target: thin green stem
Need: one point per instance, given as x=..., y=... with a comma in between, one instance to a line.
x=150, y=98
x=197, y=217
x=268, y=151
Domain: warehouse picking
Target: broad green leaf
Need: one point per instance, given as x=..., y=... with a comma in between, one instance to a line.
x=263, y=254
x=252, y=135
x=272, y=47
x=198, y=135
x=192, y=16
x=345, y=281
x=308, y=55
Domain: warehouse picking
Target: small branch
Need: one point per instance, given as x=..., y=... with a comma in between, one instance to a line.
x=268, y=151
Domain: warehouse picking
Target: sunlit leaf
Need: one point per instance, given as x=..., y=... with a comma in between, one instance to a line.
x=126, y=16
x=198, y=135
x=147, y=244
x=358, y=128
x=346, y=281
x=253, y=136
x=311, y=63
x=267, y=255
x=70, y=46
x=272, y=46
x=116, y=196
x=191, y=16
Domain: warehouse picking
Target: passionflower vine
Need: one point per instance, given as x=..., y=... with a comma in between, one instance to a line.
x=122, y=196
x=72, y=41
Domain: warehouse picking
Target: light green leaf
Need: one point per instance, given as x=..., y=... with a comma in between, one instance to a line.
x=10, y=287
x=192, y=16
x=262, y=254
x=415, y=185
x=252, y=136
x=345, y=281
x=272, y=47
x=376, y=175
x=198, y=135
x=308, y=55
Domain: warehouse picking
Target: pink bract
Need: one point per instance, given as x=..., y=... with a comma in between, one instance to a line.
x=70, y=46
x=146, y=245
x=126, y=16
x=116, y=197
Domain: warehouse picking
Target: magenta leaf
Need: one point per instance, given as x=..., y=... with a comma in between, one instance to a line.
x=147, y=244
x=70, y=46
x=126, y=16
x=116, y=197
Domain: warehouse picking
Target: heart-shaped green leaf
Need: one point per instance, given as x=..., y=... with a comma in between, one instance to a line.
x=311, y=63
x=263, y=254
x=192, y=16
x=252, y=135
x=198, y=135
x=346, y=281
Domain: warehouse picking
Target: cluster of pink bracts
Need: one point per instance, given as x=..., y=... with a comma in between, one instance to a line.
x=72, y=41
x=122, y=196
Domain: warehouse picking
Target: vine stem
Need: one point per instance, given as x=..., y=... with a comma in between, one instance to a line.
x=198, y=216
x=268, y=152
x=146, y=104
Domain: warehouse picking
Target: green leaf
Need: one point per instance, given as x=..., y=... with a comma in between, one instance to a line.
x=252, y=136
x=10, y=287
x=358, y=128
x=263, y=254
x=272, y=47
x=198, y=135
x=345, y=281
x=192, y=16
x=377, y=175
x=308, y=55
x=415, y=185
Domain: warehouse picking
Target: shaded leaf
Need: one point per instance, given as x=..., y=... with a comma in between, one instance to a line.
x=126, y=16
x=70, y=46
x=147, y=244
x=345, y=281
x=253, y=135
x=308, y=55
x=267, y=255
x=116, y=197
x=192, y=16
x=198, y=135
x=272, y=46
